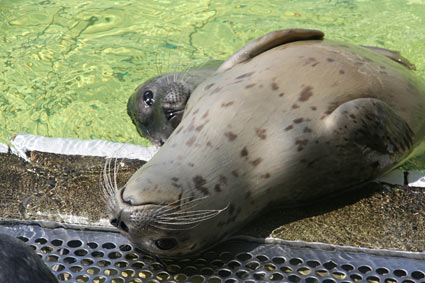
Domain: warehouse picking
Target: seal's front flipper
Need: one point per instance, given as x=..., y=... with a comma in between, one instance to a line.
x=371, y=125
x=393, y=55
x=269, y=41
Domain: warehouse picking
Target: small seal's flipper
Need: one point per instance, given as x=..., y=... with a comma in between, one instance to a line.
x=269, y=41
x=375, y=127
x=393, y=55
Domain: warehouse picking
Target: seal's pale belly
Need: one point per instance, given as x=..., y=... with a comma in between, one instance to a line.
x=340, y=114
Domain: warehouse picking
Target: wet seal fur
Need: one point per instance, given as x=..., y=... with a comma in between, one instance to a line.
x=156, y=107
x=289, y=118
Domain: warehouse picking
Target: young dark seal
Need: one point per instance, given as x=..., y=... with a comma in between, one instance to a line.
x=157, y=105
x=20, y=264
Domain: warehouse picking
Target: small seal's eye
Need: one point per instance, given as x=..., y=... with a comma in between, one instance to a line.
x=148, y=97
x=166, y=243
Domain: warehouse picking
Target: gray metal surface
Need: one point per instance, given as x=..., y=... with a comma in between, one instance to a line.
x=101, y=256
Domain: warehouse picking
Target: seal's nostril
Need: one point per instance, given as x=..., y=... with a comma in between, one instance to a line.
x=123, y=227
x=119, y=224
x=114, y=222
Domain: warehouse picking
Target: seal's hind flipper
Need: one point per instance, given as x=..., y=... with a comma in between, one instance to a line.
x=373, y=126
x=269, y=41
x=393, y=55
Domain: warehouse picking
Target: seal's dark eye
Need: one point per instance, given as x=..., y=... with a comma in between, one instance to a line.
x=166, y=243
x=148, y=97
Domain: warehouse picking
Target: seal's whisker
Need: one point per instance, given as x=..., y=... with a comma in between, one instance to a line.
x=191, y=217
x=192, y=214
x=116, y=169
x=107, y=188
x=171, y=207
x=162, y=228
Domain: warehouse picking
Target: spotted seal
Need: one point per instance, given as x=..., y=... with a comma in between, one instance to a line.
x=156, y=107
x=289, y=118
x=20, y=264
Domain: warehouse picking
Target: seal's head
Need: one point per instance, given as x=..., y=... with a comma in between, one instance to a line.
x=156, y=107
x=166, y=219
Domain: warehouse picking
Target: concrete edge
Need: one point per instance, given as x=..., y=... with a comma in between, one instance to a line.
x=21, y=143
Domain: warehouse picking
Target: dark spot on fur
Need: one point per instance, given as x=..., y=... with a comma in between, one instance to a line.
x=265, y=176
x=176, y=185
x=257, y=161
x=209, y=144
x=195, y=112
x=301, y=143
x=275, y=86
x=307, y=130
x=352, y=116
x=281, y=94
x=310, y=60
x=306, y=93
x=295, y=106
x=244, y=152
x=261, y=133
x=199, y=128
x=175, y=179
x=216, y=90
x=330, y=59
x=341, y=72
x=222, y=179
x=207, y=87
x=299, y=120
x=290, y=127
x=250, y=85
x=231, y=136
x=205, y=114
x=314, y=108
x=191, y=141
x=191, y=126
x=199, y=183
x=226, y=104
x=217, y=188
x=235, y=173
x=191, y=164
x=315, y=64
x=244, y=75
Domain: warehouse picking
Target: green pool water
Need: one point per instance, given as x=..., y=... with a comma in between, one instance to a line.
x=67, y=67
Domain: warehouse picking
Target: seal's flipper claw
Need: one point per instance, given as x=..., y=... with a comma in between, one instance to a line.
x=372, y=125
x=393, y=55
x=269, y=41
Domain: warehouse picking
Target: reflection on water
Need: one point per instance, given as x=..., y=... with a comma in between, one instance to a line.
x=68, y=67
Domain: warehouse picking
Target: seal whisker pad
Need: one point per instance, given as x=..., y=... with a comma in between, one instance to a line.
x=288, y=105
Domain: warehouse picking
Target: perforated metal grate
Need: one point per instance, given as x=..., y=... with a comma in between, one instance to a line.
x=96, y=256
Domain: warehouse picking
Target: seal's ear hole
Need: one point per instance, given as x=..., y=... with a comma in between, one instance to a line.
x=166, y=243
x=148, y=97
